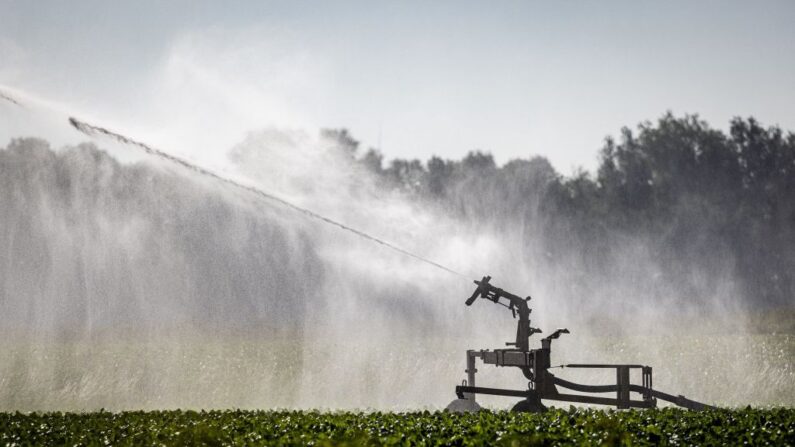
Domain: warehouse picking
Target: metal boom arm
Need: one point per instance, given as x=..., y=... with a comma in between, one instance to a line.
x=516, y=305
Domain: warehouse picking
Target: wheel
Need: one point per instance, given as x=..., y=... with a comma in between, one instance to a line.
x=463, y=406
x=530, y=405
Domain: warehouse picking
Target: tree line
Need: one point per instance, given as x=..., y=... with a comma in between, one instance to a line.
x=700, y=200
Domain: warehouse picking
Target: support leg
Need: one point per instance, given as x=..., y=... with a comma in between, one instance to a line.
x=622, y=376
x=471, y=370
x=466, y=402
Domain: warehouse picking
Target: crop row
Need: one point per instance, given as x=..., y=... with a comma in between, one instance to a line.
x=557, y=427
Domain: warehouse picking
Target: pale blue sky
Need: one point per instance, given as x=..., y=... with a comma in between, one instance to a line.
x=421, y=78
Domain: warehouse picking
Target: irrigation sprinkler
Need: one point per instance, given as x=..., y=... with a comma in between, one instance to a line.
x=535, y=364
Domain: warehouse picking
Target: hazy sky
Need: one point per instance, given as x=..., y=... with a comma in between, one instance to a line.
x=416, y=78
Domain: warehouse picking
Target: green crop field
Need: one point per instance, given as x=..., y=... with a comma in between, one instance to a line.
x=774, y=426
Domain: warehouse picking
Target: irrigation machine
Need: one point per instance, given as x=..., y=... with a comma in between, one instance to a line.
x=535, y=365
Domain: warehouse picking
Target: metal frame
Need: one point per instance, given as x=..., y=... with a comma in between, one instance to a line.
x=535, y=364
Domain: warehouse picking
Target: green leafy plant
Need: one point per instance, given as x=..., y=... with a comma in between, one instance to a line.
x=668, y=426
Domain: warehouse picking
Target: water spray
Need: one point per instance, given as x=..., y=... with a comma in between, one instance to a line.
x=92, y=130
x=534, y=364
x=9, y=99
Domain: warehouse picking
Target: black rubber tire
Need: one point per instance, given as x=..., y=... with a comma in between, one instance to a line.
x=529, y=405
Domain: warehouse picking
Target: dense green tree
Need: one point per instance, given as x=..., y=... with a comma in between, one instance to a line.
x=702, y=201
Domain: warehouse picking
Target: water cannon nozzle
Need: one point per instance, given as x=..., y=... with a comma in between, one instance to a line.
x=482, y=290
